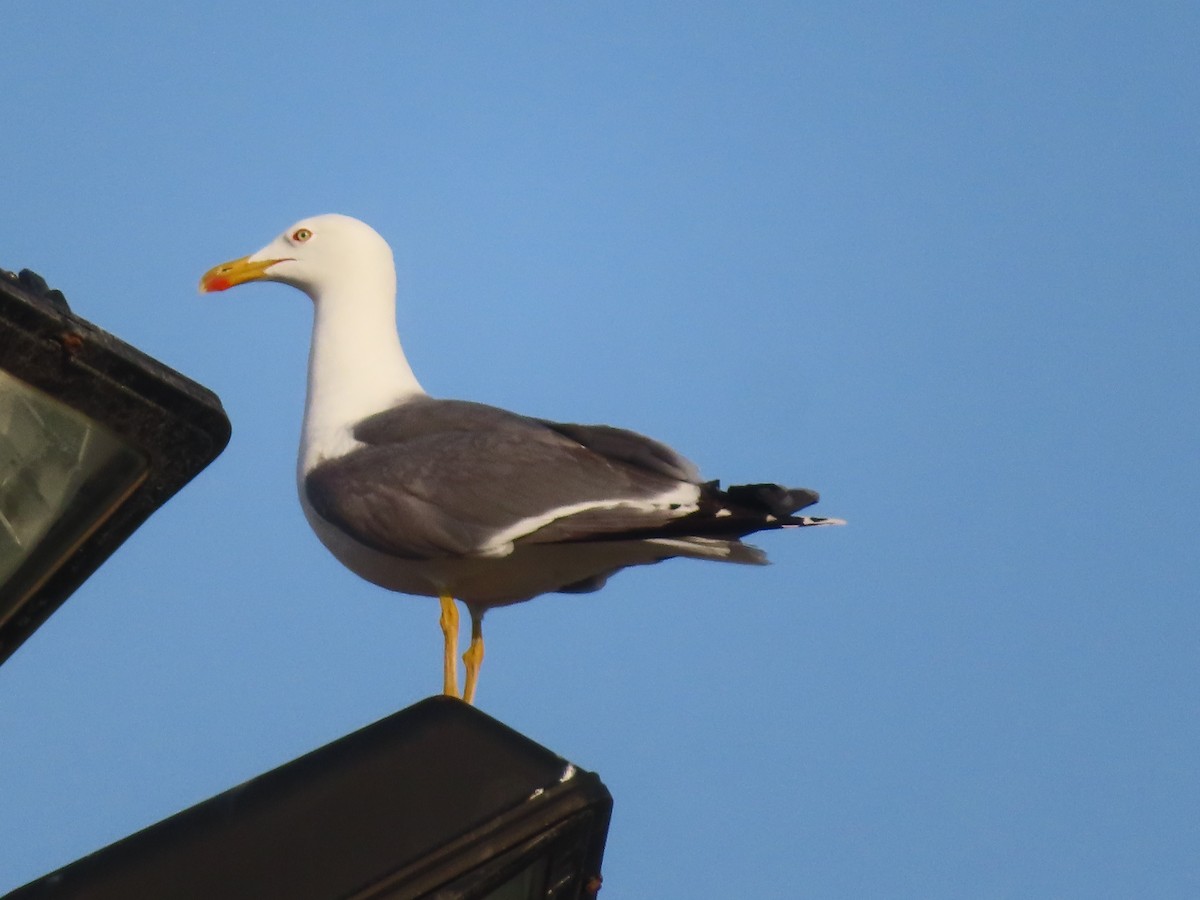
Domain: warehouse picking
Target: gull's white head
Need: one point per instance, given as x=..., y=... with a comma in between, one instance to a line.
x=322, y=256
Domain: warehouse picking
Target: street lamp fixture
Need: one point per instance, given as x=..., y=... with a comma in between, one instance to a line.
x=94, y=437
x=438, y=800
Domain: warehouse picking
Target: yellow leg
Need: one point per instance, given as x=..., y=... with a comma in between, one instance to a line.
x=473, y=657
x=449, y=623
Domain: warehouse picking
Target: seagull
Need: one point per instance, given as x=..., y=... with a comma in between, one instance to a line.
x=456, y=499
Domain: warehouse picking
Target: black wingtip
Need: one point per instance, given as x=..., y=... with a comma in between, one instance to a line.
x=775, y=499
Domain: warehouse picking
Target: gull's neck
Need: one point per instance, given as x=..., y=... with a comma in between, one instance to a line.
x=356, y=367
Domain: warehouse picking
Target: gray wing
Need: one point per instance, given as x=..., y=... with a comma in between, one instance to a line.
x=443, y=477
x=629, y=447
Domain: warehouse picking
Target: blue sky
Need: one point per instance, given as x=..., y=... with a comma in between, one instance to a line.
x=938, y=262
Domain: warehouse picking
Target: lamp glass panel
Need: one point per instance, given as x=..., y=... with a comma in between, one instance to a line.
x=61, y=474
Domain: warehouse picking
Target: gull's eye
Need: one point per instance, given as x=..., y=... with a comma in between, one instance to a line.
x=300, y=235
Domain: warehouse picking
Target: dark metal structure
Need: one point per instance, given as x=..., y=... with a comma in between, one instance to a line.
x=94, y=436
x=438, y=800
